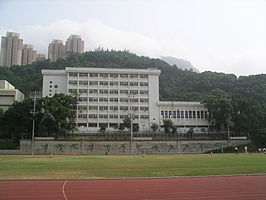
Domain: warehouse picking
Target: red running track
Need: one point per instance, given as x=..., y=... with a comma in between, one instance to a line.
x=203, y=188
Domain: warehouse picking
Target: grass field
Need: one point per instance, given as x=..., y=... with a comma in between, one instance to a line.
x=111, y=166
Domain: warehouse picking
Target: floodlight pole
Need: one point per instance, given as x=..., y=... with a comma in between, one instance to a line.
x=33, y=95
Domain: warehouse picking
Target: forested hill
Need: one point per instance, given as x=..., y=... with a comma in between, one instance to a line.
x=175, y=84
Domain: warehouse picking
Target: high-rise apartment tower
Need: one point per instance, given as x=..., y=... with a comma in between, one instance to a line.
x=11, y=49
x=28, y=55
x=56, y=50
x=75, y=44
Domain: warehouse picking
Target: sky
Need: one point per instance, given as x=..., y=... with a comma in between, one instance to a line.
x=214, y=35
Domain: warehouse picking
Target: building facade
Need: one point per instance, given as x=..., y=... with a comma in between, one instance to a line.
x=75, y=44
x=28, y=55
x=11, y=49
x=107, y=96
x=8, y=95
x=56, y=50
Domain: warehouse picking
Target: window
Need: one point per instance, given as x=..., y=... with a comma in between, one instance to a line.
x=177, y=114
x=133, y=76
x=144, y=100
x=113, y=75
x=93, y=91
x=71, y=82
x=103, y=91
x=162, y=114
x=82, y=91
x=143, y=75
x=93, y=82
x=144, y=116
x=82, y=116
x=83, y=99
x=143, y=83
x=134, y=99
x=103, y=82
x=186, y=114
x=83, y=82
x=55, y=86
x=113, y=116
x=113, y=83
x=144, y=92
x=81, y=107
x=83, y=74
x=123, y=116
x=134, y=83
x=113, y=99
x=124, y=108
x=114, y=108
x=93, y=99
x=101, y=108
x=93, y=116
x=93, y=107
x=135, y=108
x=182, y=114
x=103, y=75
x=123, y=91
x=123, y=99
x=134, y=91
x=92, y=125
x=190, y=114
x=113, y=91
x=73, y=74
x=124, y=83
x=82, y=124
x=72, y=91
x=198, y=114
x=103, y=99
x=123, y=75
x=103, y=116
x=194, y=114
x=144, y=108
x=51, y=81
x=93, y=75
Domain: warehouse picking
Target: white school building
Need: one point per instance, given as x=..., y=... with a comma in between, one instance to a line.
x=108, y=95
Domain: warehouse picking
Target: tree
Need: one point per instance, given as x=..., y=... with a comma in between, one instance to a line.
x=168, y=124
x=154, y=127
x=219, y=111
x=121, y=127
x=103, y=127
x=127, y=122
x=60, y=108
x=135, y=127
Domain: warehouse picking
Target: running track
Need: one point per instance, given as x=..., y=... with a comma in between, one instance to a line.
x=203, y=188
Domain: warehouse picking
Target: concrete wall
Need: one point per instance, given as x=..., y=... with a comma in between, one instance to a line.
x=9, y=152
x=137, y=147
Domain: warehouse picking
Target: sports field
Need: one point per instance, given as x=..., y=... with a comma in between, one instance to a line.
x=115, y=166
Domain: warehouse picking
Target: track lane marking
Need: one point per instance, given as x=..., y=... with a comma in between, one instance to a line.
x=63, y=189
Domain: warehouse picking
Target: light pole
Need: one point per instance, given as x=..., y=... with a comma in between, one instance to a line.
x=131, y=121
x=33, y=95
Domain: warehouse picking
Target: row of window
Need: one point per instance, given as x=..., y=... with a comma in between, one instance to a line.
x=112, y=83
x=110, y=125
x=106, y=75
x=113, y=108
x=192, y=114
x=113, y=116
x=106, y=91
x=104, y=99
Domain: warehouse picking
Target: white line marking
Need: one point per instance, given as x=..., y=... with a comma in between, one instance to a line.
x=64, y=189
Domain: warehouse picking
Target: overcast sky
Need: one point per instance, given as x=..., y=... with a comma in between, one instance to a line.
x=217, y=35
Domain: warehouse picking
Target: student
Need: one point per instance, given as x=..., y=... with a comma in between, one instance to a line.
x=236, y=150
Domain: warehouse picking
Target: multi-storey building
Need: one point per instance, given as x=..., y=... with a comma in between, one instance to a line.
x=107, y=96
x=40, y=57
x=11, y=49
x=9, y=94
x=56, y=50
x=75, y=44
x=28, y=55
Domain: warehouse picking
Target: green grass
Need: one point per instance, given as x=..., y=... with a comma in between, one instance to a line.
x=112, y=166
